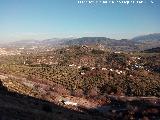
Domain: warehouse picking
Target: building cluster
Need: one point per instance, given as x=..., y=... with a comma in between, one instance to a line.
x=3, y=51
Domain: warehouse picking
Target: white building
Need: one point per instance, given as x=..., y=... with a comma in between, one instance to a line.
x=72, y=65
x=82, y=73
x=92, y=68
x=70, y=103
x=104, y=68
x=79, y=67
x=67, y=102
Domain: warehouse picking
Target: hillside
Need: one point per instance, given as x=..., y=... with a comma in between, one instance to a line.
x=113, y=44
x=150, y=37
x=153, y=50
x=80, y=82
x=87, y=65
x=16, y=106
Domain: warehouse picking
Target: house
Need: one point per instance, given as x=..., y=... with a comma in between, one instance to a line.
x=72, y=65
x=92, y=68
x=117, y=52
x=104, y=68
x=82, y=73
x=79, y=67
x=119, y=72
x=70, y=103
x=136, y=66
x=67, y=102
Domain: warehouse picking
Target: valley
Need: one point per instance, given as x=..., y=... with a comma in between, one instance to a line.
x=91, y=80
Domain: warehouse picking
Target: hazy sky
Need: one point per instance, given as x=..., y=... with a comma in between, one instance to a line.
x=42, y=19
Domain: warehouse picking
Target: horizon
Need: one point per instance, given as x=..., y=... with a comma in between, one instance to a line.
x=56, y=38
x=39, y=19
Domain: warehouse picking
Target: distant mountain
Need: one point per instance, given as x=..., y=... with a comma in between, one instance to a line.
x=54, y=42
x=150, y=37
x=87, y=41
x=139, y=43
x=25, y=42
x=112, y=44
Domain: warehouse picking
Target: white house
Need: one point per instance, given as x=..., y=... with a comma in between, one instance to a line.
x=79, y=67
x=117, y=52
x=70, y=103
x=104, y=68
x=67, y=102
x=72, y=65
x=82, y=73
x=92, y=68
x=119, y=71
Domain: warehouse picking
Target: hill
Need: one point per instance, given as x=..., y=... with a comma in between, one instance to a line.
x=150, y=37
x=139, y=43
x=153, y=50
x=100, y=83
x=112, y=44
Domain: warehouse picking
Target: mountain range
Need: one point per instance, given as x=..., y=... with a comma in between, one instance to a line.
x=137, y=43
x=149, y=37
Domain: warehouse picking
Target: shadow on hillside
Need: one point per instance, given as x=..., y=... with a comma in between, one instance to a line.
x=14, y=106
x=135, y=109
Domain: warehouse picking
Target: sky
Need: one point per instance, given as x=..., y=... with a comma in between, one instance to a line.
x=45, y=19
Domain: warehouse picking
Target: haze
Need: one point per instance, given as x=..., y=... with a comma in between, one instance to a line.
x=43, y=19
